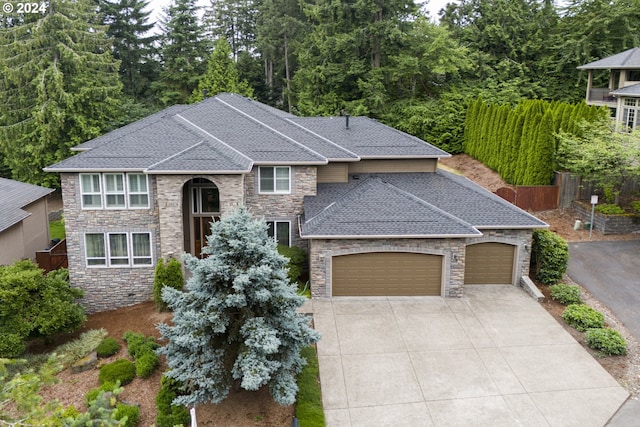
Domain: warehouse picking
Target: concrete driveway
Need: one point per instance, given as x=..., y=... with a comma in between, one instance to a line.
x=492, y=358
x=610, y=270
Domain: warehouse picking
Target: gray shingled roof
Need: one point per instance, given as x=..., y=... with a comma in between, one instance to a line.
x=231, y=133
x=368, y=138
x=633, y=90
x=422, y=204
x=624, y=60
x=15, y=195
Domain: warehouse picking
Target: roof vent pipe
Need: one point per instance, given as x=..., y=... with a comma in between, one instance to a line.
x=204, y=94
x=346, y=116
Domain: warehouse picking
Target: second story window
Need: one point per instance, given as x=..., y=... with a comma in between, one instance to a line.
x=114, y=191
x=274, y=179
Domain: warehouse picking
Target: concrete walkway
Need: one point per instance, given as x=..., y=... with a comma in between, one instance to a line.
x=492, y=358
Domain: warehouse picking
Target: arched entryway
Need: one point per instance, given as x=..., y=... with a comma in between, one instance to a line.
x=200, y=206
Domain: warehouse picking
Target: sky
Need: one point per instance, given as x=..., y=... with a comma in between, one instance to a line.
x=433, y=6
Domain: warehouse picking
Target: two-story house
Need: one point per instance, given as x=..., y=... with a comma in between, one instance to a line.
x=366, y=201
x=622, y=94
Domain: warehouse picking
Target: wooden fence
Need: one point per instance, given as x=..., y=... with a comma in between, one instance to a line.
x=54, y=258
x=566, y=189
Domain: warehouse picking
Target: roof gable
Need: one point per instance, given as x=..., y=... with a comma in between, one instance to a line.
x=624, y=60
x=15, y=195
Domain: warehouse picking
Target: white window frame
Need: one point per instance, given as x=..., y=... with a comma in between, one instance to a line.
x=631, y=114
x=125, y=192
x=275, y=180
x=275, y=229
x=91, y=193
x=131, y=257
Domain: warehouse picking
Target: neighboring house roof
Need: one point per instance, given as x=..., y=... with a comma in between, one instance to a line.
x=633, y=91
x=230, y=133
x=16, y=195
x=624, y=60
x=437, y=204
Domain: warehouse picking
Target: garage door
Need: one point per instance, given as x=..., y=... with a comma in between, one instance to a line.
x=386, y=274
x=489, y=263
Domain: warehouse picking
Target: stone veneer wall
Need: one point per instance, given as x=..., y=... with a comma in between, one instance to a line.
x=107, y=288
x=607, y=224
x=283, y=207
x=169, y=202
x=453, y=250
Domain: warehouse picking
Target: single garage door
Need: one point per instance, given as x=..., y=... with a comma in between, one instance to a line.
x=386, y=274
x=489, y=263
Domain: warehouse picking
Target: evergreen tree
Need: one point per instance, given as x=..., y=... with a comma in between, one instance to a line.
x=183, y=49
x=128, y=27
x=238, y=320
x=59, y=86
x=233, y=20
x=221, y=75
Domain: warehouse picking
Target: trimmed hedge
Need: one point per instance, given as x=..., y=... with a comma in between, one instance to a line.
x=549, y=257
x=608, y=341
x=565, y=294
x=142, y=349
x=170, y=415
x=582, y=317
x=122, y=370
x=166, y=274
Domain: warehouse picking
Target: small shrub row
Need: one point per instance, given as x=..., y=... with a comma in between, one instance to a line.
x=565, y=294
x=609, y=209
x=591, y=322
x=142, y=349
x=170, y=415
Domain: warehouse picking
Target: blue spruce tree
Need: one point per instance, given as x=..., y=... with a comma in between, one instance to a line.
x=238, y=320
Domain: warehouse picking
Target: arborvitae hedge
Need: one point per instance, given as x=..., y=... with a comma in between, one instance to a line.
x=519, y=143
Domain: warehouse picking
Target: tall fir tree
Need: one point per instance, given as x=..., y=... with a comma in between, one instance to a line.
x=184, y=50
x=59, y=87
x=221, y=75
x=238, y=319
x=234, y=20
x=129, y=27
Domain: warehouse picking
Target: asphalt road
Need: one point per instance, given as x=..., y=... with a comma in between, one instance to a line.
x=610, y=270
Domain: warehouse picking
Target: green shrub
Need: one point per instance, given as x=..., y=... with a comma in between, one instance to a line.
x=166, y=274
x=549, y=256
x=565, y=294
x=132, y=412
x=146, y=364
x=582, y=317
x=608, y=341
x=297, y=258
x=609, y=209
x=138, y=344
x=635, y=205
x=108, y=347
x=170, y=415
x=93, y=394
x=11, y=345
x=122, y=370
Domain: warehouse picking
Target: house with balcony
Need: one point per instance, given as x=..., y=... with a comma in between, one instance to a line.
x=367, y=202
x=622, y=92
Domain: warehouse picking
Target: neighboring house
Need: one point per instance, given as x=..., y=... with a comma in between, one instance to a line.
x=24, y=221
x=366, y=201
x=622, y=94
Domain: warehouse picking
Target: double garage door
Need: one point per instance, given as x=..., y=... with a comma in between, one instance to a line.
x=408, y=273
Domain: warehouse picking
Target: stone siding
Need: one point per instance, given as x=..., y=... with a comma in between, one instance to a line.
x=453, y=251
x=283, y=207
x=113, y=287
x=171, y=218
x=607, y=224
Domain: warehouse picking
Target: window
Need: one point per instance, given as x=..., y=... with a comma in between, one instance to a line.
x=280, y=231
x=94, y=246
x=275, y=179
x=116, y=191
x=90, y=190
x=118, y=249
x=631, y=114
x=138, y=190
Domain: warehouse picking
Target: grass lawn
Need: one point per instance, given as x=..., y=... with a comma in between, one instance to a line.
x=56, y=229
x=309, y=403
